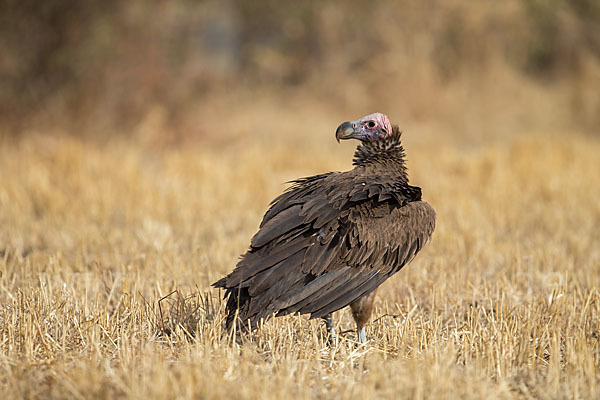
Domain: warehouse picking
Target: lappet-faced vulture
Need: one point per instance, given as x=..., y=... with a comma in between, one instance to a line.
x=330, y=240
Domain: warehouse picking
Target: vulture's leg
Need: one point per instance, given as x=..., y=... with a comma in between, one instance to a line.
x=361, y=311
x=330, y=329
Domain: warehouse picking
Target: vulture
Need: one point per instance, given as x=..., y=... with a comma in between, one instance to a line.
x=331, y=240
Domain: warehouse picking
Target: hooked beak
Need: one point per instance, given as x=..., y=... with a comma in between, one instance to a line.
x=345, y=131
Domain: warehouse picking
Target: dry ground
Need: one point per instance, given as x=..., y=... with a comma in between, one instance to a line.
x=503, y=303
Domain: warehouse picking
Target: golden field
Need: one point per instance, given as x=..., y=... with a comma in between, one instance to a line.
x=503, y=303
x=137, y=160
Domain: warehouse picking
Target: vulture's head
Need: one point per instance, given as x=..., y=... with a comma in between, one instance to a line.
x=372, y=127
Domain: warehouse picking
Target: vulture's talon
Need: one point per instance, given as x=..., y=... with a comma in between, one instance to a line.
x=362, y=335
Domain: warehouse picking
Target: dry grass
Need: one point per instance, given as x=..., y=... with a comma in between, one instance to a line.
x=503, y=303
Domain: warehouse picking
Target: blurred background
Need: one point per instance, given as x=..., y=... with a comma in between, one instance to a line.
x=165, y=72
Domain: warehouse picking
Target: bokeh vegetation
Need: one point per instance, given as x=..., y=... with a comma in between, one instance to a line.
x=110, y=65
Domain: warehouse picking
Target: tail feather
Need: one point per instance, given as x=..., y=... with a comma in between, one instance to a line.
x=237, y=307
x=238, y=304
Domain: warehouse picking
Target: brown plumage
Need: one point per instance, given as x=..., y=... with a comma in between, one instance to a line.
x=330, y=240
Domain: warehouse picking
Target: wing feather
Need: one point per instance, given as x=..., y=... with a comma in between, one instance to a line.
x=296, y=296
x=249, y=266
x=366, y=286
x=280, y=224
x=324, y=243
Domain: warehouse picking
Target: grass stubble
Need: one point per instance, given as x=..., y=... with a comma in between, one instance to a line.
x=107, y=253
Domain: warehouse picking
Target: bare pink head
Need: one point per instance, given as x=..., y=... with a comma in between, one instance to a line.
x=372, y=127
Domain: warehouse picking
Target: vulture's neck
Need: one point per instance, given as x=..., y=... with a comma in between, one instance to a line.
x=386, y=154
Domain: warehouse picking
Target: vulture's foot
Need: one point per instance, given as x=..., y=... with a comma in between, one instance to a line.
x=362, y=335
x=361, y=311
x=331, y=336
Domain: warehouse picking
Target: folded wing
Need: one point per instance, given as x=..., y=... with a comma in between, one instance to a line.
x=324, y=243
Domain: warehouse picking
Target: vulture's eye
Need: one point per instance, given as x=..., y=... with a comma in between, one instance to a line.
x=371, y=124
